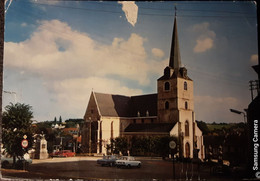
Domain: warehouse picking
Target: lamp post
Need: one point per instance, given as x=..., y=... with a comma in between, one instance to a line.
x=239, y=112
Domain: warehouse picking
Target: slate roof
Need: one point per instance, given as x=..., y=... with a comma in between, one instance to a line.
x=148, y=127
x=112, y=105
x=142, y=104
x=124, y=106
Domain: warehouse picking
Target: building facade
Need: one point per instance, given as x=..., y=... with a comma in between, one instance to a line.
x=168, y=112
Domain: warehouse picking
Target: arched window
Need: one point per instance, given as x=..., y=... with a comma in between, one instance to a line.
x=187, y=150
x=167, y=105
x=166, y=86
x=186, y=105
x=186, y=128
x=185, y=86
x=112, y=129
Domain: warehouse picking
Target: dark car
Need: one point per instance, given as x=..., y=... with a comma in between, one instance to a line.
x=108, y=160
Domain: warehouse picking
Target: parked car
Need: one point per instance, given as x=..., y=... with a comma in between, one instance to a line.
x=109, y=160
x=128, y=161
x=7, y=162
x=63, y=153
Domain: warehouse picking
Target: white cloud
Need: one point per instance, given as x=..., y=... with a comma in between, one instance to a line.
x=23, y=24
x=203, y=45
x=254, y=59
x=216, y=108
x=70, y=63
x=157, y=52
x=73, y=94
x=131, y=11
x=57, y=51
x=205, y=40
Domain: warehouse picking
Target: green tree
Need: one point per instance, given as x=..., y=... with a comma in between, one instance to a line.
x=119, y=144
x=203, y=127
x=60, y=120
x=55, y=121
x=17, y=120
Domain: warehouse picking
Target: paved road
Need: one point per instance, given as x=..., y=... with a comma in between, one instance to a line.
x=87, y=168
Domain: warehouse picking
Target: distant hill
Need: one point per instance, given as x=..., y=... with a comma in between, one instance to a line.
x=220, y=126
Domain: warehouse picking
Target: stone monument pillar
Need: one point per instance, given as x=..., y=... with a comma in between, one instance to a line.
x=41, y=151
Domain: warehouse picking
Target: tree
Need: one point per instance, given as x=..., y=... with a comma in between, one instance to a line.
x=17, y=120
x=60, y=120
x=55, y=121
x=203, y=127
x=119, y=144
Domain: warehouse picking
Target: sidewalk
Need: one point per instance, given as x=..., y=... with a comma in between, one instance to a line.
x=11, y=174
x=65, y=159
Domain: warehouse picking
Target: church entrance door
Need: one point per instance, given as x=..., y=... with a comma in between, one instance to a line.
x=187, y=150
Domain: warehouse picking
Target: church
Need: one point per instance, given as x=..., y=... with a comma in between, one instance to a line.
x=170, y=111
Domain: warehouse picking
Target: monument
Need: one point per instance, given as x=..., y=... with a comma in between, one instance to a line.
x=41, y=151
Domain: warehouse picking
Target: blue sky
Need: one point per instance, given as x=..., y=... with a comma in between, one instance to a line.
x=57, y=52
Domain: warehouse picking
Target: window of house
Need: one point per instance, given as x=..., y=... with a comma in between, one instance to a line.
x=142, y=120
x=186, y=105
x=134, y=121
x=166, y=86
x=186, y=128
x=185, y=86
x=166, y=105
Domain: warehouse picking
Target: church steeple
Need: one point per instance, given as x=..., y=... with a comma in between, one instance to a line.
x=175, y=56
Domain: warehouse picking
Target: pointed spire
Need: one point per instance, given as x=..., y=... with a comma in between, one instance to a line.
x=175, y=56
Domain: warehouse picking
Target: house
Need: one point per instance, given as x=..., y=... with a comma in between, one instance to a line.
x=170, y=111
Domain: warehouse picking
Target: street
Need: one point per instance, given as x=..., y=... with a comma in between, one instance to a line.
x=86, y=168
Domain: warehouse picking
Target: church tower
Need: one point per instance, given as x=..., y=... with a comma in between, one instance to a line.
x=175, y=97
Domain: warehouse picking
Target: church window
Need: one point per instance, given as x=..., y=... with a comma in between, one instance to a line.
x=187, y=150
x=186, y=105
x=185, y=86
x=186, y=128
x=112, y=129
x=166, y=86
x=167, y=105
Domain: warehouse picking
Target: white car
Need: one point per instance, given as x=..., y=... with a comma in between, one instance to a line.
x=128, y=161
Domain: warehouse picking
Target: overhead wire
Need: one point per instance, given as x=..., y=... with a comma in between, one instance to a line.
x=213, y=76
x=148, y=14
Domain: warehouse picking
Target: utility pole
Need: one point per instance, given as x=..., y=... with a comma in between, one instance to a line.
x=254, y=85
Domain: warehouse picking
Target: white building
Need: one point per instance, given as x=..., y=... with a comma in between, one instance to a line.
x=168, y=112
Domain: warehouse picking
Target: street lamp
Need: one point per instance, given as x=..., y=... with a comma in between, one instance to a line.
x=239, y=112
